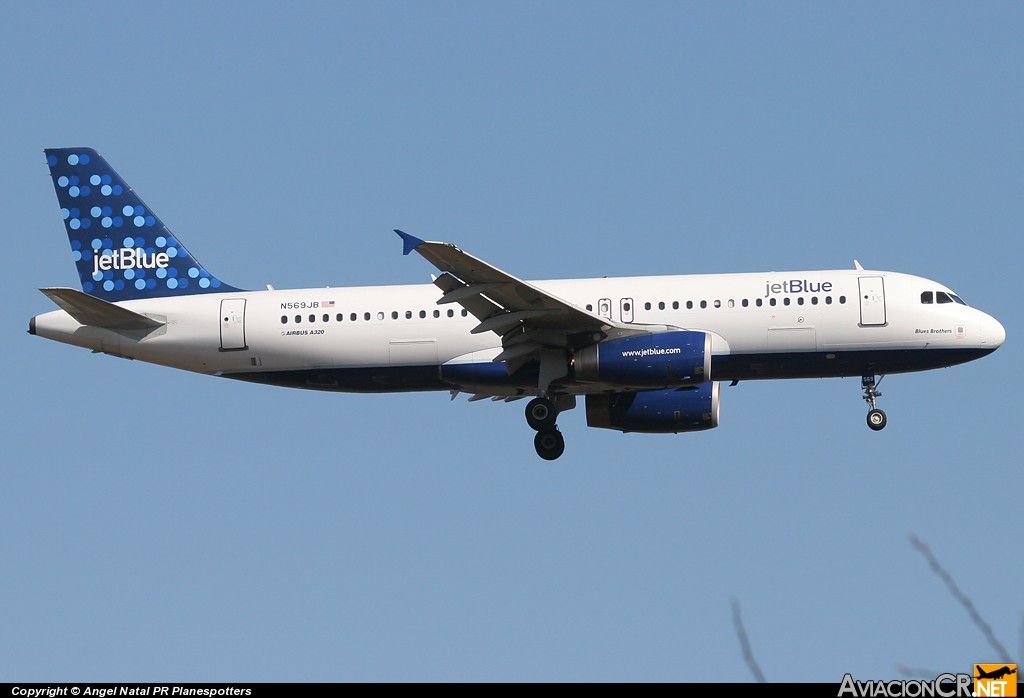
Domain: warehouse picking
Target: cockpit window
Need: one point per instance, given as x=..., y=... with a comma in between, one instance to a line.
x=929, y=297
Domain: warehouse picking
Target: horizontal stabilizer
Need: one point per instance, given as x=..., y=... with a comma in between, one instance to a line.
x=95, y=312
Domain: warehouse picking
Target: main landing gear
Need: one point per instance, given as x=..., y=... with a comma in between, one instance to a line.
x=541, y=414
x=876, y=417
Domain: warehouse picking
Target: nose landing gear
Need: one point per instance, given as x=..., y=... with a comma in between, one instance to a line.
x=876, y=417
x=541, y=414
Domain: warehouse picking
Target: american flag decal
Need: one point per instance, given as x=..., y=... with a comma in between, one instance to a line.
x=326, y=304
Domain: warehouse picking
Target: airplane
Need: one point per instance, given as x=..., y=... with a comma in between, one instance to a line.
x=996, y=674
x=647, y=354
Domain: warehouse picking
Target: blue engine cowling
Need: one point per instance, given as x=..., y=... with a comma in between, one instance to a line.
x=656, y=411
x=664, y=359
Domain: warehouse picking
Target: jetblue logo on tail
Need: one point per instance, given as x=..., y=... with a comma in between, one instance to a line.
x=121, y=248
x=129, y=259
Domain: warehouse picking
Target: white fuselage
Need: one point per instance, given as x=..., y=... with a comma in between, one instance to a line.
x=387, y=338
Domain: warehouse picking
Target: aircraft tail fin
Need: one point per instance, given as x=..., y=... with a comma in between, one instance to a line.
x=121, y=248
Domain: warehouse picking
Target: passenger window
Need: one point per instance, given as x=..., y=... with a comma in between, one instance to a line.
x=451, y=313
x=745, y=303
x=661, y=305
x=732, y=303
x=284, y=319
x=703, y=304
x=689, y=305
x=626, y=307
x=647, y=306
x=828, y=300
x=380, y=314
x=842, y=300
x=366, y=316
x=298, y=318
x=437, y=313
x=814, y=300
x=718, y=304
x=353, y=317
x=590, y=307
x=772, y=302
x=394, y=314
x=327, y=318
x=926, y=298
x=341, y=317
x=785, y=301
x=312, y=318
x=465, y=312
x=800, y=300
x=423, y=314
x=408, y=315
x=675, y=305
x=759, y=302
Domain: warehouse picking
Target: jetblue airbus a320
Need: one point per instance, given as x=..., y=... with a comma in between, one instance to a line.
x=647, y=353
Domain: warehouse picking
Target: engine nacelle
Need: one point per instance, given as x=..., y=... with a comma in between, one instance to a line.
x=662, y=360
x=671, y=411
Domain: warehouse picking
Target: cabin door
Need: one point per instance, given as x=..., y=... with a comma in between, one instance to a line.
x=232, y=324
x=872, y=301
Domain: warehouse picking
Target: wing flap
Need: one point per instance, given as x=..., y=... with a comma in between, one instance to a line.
x=504, y=321
x=463, y=292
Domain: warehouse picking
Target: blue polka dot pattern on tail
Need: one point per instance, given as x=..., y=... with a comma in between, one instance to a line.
x=119, y=245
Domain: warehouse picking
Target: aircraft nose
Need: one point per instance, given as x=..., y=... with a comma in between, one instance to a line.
x=992, y=332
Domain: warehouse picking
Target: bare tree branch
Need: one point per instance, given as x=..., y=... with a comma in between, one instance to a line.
x=916, y=672
x=961, y=597
x=741, y=633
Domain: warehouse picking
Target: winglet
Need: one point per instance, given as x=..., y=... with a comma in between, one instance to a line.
x=409, y=242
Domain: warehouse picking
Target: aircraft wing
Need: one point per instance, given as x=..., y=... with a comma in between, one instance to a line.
x=526, y=318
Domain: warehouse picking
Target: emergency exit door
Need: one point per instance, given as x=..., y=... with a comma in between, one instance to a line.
x=872, y=301
x=232, y=324
x=626, y=309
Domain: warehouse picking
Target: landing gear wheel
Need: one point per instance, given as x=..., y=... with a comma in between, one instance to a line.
x=541, y=414
x=549, y=444
x=877, y=419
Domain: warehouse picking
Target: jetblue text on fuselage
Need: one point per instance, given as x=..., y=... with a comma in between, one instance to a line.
x=125, y=258
x=797, y=286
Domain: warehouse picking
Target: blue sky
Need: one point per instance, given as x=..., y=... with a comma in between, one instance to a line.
x=161, y=525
